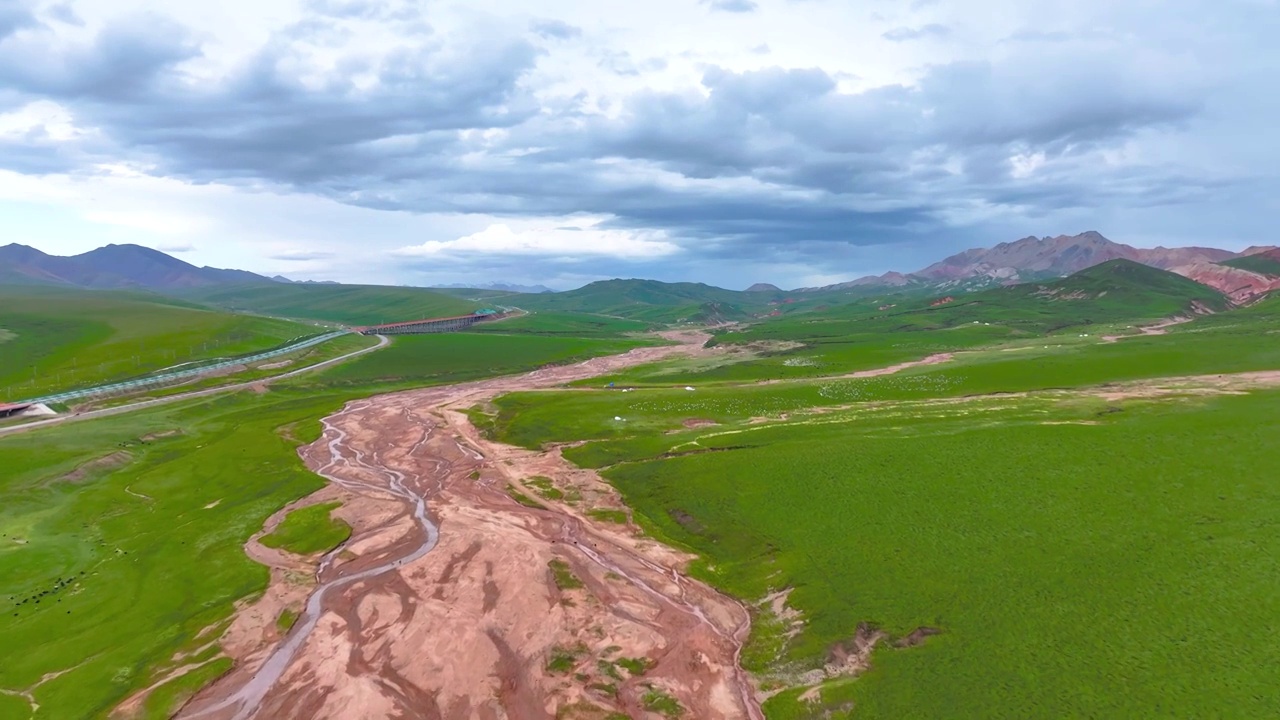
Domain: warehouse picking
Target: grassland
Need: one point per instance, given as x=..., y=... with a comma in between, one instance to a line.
x=651, y=301
x=309, y=530
x=1069, y=567
x=566, y=324
x=58, y=339
x=1264, y=263
x=416, y=360
x=121, y=540
x=863, y=335
x=1120, y=564
x=345, y=304
x=1078, y=554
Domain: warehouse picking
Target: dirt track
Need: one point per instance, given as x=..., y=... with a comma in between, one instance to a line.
x=470, y=622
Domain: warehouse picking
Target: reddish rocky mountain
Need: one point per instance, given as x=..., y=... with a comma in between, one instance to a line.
x=1240, y=286
x=1033, y=257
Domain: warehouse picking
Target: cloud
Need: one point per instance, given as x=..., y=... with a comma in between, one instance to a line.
x=15, y=16
x=732, y=6
x=557, y=29
x=722, y=155
x=150, y=221
x=63, y=13
x=175, y=247
x=903, y=34
x=570, y=241
x=126, y=61
x=302, y=255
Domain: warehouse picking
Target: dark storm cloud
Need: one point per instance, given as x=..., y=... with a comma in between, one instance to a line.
x=263, y=116
x=903, y=34
x=125, y=62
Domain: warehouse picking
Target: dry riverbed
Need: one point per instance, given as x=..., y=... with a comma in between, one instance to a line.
x=453, y=599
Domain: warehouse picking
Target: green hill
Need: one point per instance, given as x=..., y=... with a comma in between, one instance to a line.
x=654, y=301
x=1114, y=291
x=1124, y=289
x=57, y=338
x=346, y=304
x=1266, y=263
x=866, y=334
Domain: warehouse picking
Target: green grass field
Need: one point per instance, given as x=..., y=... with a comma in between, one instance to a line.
x=1070, y=567
x=415, y=360
x=345, y=304
x=309, y=530
x=1078, y=556
x=565, y=324
x=121, y=539
x=59, y=339
x=860, y=336
x=1265, y=263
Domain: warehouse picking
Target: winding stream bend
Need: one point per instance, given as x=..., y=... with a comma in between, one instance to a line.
x=248, y=698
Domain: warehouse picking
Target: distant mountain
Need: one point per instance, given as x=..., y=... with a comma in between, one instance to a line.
x=1033, y=259
x=764, y=287
x=113, y=267
x=502, y=287
x=1114, y=291
x=889, y=279
x=1264, y=261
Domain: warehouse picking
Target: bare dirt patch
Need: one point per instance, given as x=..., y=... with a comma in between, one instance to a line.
x=98, y=466
x=152, y=437
x=1155, y=329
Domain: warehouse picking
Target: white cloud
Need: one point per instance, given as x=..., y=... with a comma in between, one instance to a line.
x=563, y=240
x=42, y=117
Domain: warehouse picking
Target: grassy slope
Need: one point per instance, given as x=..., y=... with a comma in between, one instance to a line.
x=452, y=357
x=859, y=336
x=982, y=521
x=564, y=324
x=1237, y=341
x=309, y=530
x=651, y=301
x=1264, y=263
x=1069, y=567
x=149, y=573
x=80, y=337
x=346, y=304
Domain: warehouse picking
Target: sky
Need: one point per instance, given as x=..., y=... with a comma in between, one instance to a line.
x=557, y=142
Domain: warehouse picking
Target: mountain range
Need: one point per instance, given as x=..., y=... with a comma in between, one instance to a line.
x=1032, y=258
x=114, y=267
x=1241, y=276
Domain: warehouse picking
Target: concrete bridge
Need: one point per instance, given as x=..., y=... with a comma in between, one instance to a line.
x=430, y=325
